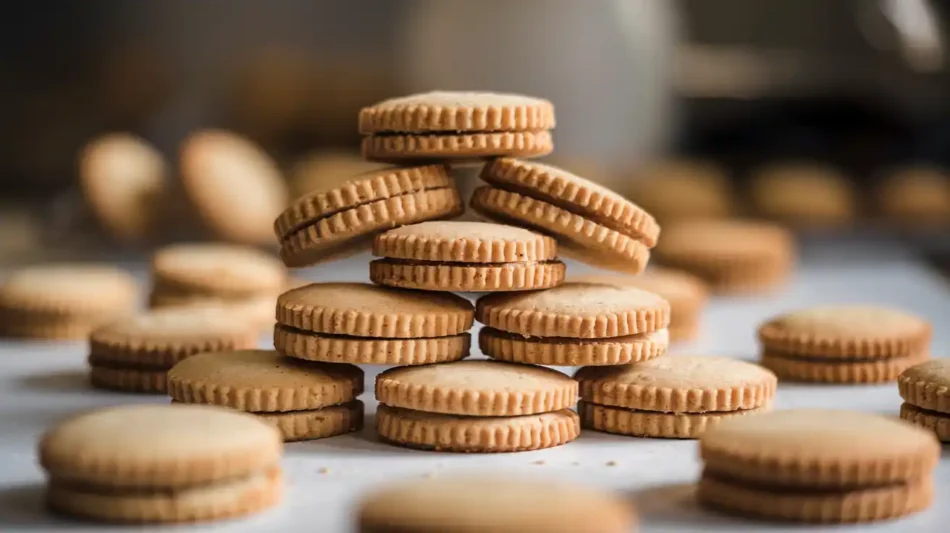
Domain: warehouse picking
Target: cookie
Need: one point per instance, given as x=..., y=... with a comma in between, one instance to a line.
x=682, y=189
x=738, y=257
x=465, y=256
x=364, y=310
x=317, y=423
x=575, y=310
x=927, y=385
x=323, y=170
x=564, y=351
x=216, y=269
x=262, y=381
x=803, y=194
x=653, y=424
x=128, y=379
x=496, y=503
x=825, y=370
x=331, y=348
x=234, y=186
x=815, y=449
x=592, y=223
x=398, y=148
x=122, y=178
x=454, y=433
x=915, y=197
x=477, y=388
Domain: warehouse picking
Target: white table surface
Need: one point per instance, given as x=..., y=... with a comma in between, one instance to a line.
x=40, y=383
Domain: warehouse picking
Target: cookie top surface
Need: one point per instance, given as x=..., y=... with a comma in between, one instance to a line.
x=675, y=286
x=69, y=288
x=678, y=189
x=158, y=446
x=449, y=111
x=927, y=385
x=365, y=310
x=935, y=372
x=679, y=384
x=498, y=504
x=846, y=331
x=325, y=169
x=185, y=325
x=471, y=242
x=575, y=310
x=477, y=388
x=234, y=185
x=722, y=238
x=575, y=194
x=219, y=268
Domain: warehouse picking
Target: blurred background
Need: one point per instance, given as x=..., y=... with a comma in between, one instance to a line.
x=831, y=115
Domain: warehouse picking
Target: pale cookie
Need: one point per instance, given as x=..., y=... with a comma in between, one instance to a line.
x=467, y=277
x=331, y=348
x=464, y=242
x=477, y=388
x=129, y=379
x=565, y=351
x=229, y=499
x=938, y=423
x=217, y=269
x=158, y=446
x=916, y=196
x=825, y=370
x=122, y=178
x=164, y=337
x=679, y=189
x=804, y=194
x=847, y=506
x=575, y=310
x=927, y=385
x=262, y=381
x=816, y=448
x=654, y=424
x=453, y=433
x=680, y=384
x=847, y=332
x=397, y=148
x=363, y=310
x=317, y=423
x=499, y=504
x=233, y=184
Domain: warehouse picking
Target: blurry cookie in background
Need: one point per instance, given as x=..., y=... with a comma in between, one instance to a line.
x=915, y=197
x=803, y=194
x=124, y=181
x=322, y=170
x=680, y=189
x=235, y=187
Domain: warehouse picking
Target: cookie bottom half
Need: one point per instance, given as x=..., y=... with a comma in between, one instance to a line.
x=654, y=424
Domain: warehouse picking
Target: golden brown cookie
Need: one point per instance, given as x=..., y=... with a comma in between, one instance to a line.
x=927, y=385
x=938, y=423
x=654, y=424
x=681, y=189
x=332, y=348
x=804, y=194
x=394, y=147
x=565, y=351
x=216, y=269
x=453, y=433
x=323, y=170
x=916, y=196
x=825, y=370
x=477, y=388
x=128, y=379
x=446, y=111
x=317, y=423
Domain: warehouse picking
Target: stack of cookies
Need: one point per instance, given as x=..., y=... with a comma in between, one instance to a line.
x=302, y=399
x=818, y=466
x=162, y=464
x=844, y=344
x=925, y=389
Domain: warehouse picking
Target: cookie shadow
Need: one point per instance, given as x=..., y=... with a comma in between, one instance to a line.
x=22, y=508
x=73, y=380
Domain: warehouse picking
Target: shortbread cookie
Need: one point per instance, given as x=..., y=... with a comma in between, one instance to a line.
x=123, y=178
x=217, y=269
x=575, y=310
x=454, y=433
x=317, y=423
x=331, y=348
x=805, y=505
x=477, y=388
x=838, y=370
x=590, y=221
x=680, y=189
x=938, y=423
x=809, y=195
x=654, y=424
x=364, y=310
x=262, y=381
x=234, y=186
x=564, y=351
x=462, y=504
x=818, y=449
x=128, y=379
x=927, y=385
x=730, y=256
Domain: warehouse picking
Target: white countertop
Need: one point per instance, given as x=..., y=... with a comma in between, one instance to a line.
x=40, y=383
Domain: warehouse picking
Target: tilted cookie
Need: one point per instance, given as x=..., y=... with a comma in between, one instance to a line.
x=465, y=256
x=925, y=389
x=215, y=269
x=591, y=222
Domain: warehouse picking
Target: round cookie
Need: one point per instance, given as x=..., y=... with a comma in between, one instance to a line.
x=815, y=448
x=317, y=423
x=323, y=170
x=575, y=310
x=262, y=381
x=678, y=189
x=158, y=446
x=330, y=348
x=497, y=504
x=654, y=424
x=927, y=385
x=471, y=277
x=450, y=111
x=217, y=269
x=454, y=433
x=116, y=378
x=477, y=388
x=563, y=351
x=402, y=147
x=916, y=196
x=830, y=370
x=364, y=310
x=804, y=194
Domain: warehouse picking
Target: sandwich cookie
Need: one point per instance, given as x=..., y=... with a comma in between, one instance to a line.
x=681, y=189
x=465, y=256
x=324, y=225
x=804, y=195
x=804, y=465
x=366, y=324
x=134, y=354
x=925, y=389
x=161, y=464
x=476, y=406
x=304, y=400
x=732, y=257
x=672, y=397
x=592, y=223
x=686, y=294
x=574, y=324
x=844, y=344
x=323, y=170
x=456, y=125
x=462, y=504
x=64, y=301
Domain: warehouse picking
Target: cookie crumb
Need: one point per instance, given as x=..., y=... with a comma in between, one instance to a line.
x=611, y=463
x=540, y=462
